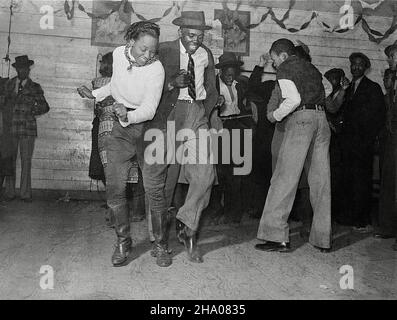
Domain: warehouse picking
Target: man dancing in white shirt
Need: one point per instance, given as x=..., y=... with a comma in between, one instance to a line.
x=136, y=86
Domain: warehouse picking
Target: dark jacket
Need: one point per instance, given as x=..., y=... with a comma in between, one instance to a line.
x=364, y=112
x=169, y=55
x=6, y=141
x=23, y=107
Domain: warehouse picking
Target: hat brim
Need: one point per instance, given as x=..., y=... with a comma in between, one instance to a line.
x=29, y=64
x=180, y=23
x=362, y=56
x=229, y=64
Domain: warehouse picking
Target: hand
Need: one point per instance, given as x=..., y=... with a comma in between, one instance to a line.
x=271, y=118
x=120, y=111
x=84, y=92
x=180, y=80
x=345, y=83
x=264, y=60
x=220, y=102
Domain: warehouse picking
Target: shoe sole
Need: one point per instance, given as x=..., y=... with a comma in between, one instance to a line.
x=164, y=265
x=125, y=262
x=281, y=250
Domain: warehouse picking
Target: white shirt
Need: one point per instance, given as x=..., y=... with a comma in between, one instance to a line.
x=292, y=100
x=139, y=89
x=357, y=83
x=17, y=84
x=231, y=106
x=200, y=58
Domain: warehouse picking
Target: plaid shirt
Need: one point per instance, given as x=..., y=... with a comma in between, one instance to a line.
x=25, y=106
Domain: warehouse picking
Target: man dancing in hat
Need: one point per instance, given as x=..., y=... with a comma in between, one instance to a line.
x=188, y=97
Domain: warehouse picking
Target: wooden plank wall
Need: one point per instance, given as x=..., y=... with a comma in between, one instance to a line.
x=65, y=59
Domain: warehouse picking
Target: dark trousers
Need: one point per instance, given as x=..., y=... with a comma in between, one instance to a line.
x=123, y=145
x=336, y=163
x=26, y=148
x=357, y=180
x=387, y=197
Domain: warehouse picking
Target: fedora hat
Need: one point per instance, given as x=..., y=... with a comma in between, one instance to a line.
x=362, y=56
x=390, y=49
x=192, y=20
x=228, y=59
x=22, y=61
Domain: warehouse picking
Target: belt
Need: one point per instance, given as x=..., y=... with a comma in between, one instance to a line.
x=310, y=106
x=189, y=101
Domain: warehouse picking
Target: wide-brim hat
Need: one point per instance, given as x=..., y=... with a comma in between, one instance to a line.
x=228, y=59
x=390, y=49
x=22, y=61
x=362, y=56
x=192, y=20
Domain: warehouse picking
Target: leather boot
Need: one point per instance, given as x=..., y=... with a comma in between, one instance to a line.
x=123, y=248
x=160, y=226
x=188, y=238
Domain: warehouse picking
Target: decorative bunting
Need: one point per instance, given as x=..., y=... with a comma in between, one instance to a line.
x=373, y=35
x=69, y=11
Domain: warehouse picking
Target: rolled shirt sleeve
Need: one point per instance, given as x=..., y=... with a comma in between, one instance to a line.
x=292, y=99
x=153, y=90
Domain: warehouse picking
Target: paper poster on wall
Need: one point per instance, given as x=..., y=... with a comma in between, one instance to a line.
x=109, y=29
x=236, y=35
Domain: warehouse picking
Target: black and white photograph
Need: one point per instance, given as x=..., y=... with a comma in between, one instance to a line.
x=198, y=155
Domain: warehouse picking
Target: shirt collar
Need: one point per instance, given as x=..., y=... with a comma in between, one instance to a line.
x=23, y=82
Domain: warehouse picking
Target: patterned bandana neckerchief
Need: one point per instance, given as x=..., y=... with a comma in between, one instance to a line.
x=134, y=63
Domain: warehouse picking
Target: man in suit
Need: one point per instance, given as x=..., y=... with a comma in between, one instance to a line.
x=364, y=116
x=24, y=101
x=188, y=98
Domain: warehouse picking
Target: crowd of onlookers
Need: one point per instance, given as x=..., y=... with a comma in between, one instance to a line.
x=362, y=122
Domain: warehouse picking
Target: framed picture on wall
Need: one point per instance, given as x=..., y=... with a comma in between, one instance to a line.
x=235, y=33
x=109, y=23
